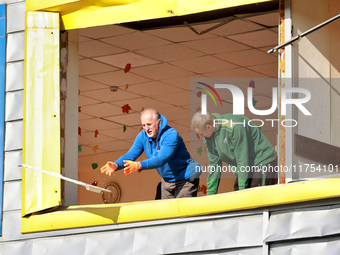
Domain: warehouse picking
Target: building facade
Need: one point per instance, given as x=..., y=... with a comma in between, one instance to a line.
x=43, y=68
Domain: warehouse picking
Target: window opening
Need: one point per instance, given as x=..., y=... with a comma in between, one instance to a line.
x=122, y=71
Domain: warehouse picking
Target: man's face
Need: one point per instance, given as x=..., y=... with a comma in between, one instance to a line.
x=207, y=133
x=150, y=125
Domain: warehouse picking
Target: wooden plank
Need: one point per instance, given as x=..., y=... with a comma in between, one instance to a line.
x=317, y=151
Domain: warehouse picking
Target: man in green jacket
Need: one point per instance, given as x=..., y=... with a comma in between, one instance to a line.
x=229, y=138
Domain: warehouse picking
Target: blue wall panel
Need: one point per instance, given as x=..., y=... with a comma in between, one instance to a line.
x=2, y=100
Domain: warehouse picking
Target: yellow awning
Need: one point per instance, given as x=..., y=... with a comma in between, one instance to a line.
x=87, y=13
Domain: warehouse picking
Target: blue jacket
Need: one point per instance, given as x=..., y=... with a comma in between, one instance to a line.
x=167, y=153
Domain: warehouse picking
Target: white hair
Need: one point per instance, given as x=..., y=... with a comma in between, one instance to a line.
x=200, y=121
x=155, y=113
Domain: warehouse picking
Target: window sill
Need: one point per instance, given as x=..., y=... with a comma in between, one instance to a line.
x=107, y=214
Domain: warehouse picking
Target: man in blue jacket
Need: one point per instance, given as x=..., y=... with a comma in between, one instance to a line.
x=166, y=152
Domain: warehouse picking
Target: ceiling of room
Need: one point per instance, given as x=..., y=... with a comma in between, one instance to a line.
x=162, y=63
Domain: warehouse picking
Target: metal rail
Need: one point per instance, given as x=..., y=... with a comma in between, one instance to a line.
x=304, y=34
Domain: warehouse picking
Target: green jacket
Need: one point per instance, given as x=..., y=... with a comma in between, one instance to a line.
x=237, y=145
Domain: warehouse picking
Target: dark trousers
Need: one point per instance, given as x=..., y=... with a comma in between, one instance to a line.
x=256, y=178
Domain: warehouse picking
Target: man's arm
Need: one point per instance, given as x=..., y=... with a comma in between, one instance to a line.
x=241, y=150
x=134, y=152
x=167, y=150
x=213, y=180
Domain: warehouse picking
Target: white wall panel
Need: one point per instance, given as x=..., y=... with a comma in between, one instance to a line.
x=329, y=246
x=233, y=233
x=12, y=196
x=14, y=105
x=12, y=170
x=15, y=46
x=27, y=247
x=16, y=22
x=15, y=76
x=239, y=251
x=11, y=225
x=10, y=1
x=303, y=223
x=182, y=237
x=63, y=245
x=10, y=248
x=13, y=136
x=177, y=235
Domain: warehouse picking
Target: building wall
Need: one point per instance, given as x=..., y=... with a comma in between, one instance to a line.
x=316, y=56
x=316, y=67
x=263, y=231
x=13, y=115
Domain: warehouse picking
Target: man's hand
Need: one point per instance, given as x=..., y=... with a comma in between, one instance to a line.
x=131, y=166
x=109, y=168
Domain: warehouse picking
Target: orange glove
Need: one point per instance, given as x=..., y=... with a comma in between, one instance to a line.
x=109, y=168
x=131, y=166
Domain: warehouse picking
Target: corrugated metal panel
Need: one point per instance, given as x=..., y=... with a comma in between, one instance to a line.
x=15, y=46
x=78, y=246
x=41, y=143
x=15, y=248
x=11, y=225
x=196, y=236
x=15, y=76
x=13, y=219
x=13, y=137
x=322, y=246
x=16, y=22
x=12, y=170
x=303, y=223
x=211, y=234
x=2, y=99
x=12, y=195
x=8, y=2
x=238, y=251
x=14, y=105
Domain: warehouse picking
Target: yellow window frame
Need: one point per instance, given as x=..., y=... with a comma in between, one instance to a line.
x=83, y=13
x=41, y=148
